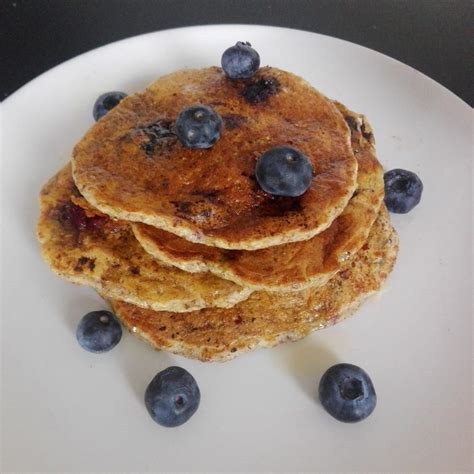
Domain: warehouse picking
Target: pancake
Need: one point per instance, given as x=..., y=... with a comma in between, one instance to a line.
x=266, y=319
x=131, y=166
x=91, y=249
x=297, y=265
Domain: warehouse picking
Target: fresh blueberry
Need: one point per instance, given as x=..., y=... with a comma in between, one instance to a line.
x=99, y=331
x=106, y=102
x=172, y=397
x=198, y=126
x=346, y=392
x=240, y=61
x=403, y=190
x=284, y=171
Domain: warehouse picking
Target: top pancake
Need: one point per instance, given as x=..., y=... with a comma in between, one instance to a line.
x=296, y=265
x=131, y=166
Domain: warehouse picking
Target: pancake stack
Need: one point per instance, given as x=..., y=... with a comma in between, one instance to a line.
x=191, y=253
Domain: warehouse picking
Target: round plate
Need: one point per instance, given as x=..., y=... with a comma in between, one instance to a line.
x=68, y=410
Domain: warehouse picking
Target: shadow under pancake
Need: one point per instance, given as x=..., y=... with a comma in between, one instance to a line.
x=139, y=363
x=77, y=306
x=306, y=361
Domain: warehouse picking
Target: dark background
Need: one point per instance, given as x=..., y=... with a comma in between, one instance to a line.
x=433, y=36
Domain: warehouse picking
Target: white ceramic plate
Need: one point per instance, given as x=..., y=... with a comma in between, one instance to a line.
x=67, y=410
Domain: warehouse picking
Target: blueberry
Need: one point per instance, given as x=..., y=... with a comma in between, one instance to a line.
x=260, y=89
x=106, y=102
x=75, y=217
x=403, y=190
x=198, y=126
x=284, y=171
x=172, y=397
x=240, y=61
x=346, y=392
x=99, y=331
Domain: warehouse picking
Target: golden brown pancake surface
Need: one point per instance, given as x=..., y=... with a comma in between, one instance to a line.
x=130, y=165
x=87, y=247
x=295, y=265
x=266, y=319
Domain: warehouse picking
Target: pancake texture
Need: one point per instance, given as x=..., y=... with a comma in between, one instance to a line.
x=131, y=166
x=266, y=319
x=292, y=266
x=86, y=247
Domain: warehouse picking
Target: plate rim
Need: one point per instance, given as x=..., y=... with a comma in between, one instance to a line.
x=386, y=57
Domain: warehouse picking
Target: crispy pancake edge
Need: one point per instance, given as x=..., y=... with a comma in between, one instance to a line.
x=89, y=175
x=338, y=299
x=116, y=265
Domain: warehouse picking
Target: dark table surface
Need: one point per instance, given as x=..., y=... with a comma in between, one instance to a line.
x=433, y=36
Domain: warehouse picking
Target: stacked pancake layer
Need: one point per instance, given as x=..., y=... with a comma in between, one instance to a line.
x=193, y=256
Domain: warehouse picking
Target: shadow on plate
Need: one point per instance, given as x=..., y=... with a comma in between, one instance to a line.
x=75, y=307
x=306, y=361
x=139, y=363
